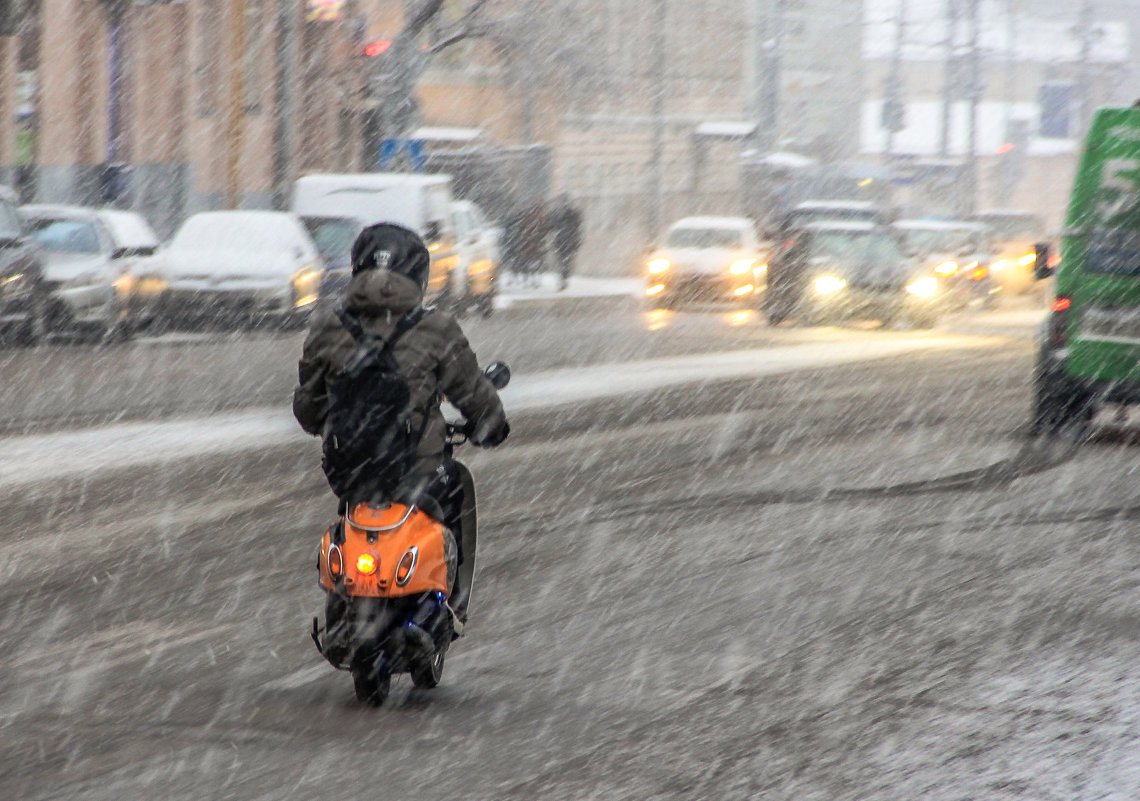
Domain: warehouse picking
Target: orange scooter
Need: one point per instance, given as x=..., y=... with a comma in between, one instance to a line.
x=397, y=591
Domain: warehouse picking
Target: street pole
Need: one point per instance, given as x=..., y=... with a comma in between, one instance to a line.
x=235, y=108
x=894, y=84
x=1088, y=36
x=285, y=130
x=975, y=90
x=949, y=76
x=660, y=87
x=772, y=46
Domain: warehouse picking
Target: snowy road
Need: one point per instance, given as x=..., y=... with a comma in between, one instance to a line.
x=854, y=579
x=34, y=458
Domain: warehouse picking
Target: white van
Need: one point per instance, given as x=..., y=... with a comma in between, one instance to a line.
x=420, y=202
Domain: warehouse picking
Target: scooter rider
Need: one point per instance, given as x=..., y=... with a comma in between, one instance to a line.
x=390, y=266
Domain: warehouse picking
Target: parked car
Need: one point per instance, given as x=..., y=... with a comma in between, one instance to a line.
x=958, y=251
x=23, y=289
x=1014, y=233
x=101, y=269
x=419, y=202
x=830, y=271
x=706, y=258
x=334, y=237
x=474, y=281
x=242, y=266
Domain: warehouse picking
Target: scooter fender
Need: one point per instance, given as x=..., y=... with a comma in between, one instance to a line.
x=387, y=552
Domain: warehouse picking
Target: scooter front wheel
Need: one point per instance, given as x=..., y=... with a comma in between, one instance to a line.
x=428, y=673
x=371, y=688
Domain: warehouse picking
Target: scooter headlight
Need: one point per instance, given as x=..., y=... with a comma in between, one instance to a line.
x=407, y=566
x=657, y=266
x=367, y=563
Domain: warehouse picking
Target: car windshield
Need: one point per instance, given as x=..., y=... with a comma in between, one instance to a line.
x=66, y=236
x=703, y=238
x=9, y=222
x=859, y=254
x=333, y=236
x=952, y=240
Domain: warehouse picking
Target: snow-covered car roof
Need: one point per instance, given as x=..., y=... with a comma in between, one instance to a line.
x=835, y=205
x=737, y=223
x=842, y=226
x=937, y=225
x=41, y=211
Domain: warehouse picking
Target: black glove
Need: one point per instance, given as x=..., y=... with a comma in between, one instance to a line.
x=479, y=435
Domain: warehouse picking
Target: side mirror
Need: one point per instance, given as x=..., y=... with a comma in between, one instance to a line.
x=1041, y=267
x=499, y=373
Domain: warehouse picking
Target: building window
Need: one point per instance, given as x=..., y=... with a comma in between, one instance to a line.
x=1056, y=101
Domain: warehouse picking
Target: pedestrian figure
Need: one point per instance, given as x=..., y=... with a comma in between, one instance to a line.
x=512, y=235
x=565, y=222
x=532, y=230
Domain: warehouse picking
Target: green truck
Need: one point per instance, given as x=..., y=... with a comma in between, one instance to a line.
x=1090, y=349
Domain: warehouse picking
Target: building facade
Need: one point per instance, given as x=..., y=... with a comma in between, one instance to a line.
x=992, y=117
x=177, y=106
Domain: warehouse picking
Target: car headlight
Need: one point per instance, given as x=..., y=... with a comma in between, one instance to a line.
x=306, y=285
x=999, y=265
x=658, y=266
x=925, y=287
x=947, y=268
x=828, y=284
x=1027, y=259
x=742, y=266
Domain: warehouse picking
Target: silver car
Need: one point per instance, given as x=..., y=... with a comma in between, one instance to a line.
x=91, y=279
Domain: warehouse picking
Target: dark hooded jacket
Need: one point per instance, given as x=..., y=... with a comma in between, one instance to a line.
x=434, y=356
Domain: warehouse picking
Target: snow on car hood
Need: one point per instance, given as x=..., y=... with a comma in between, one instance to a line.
x=222, y=266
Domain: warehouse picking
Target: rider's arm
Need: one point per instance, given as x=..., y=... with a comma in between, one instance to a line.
x=470, y=391
x=310, y=397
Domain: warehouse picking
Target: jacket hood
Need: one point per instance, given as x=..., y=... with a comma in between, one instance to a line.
x=376, y=292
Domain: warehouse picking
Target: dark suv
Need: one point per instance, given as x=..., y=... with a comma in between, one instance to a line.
x=22, y=289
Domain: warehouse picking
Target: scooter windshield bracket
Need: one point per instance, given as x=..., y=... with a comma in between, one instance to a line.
x=377, y=529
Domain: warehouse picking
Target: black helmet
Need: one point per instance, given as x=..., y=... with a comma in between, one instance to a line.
x=388, y=246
